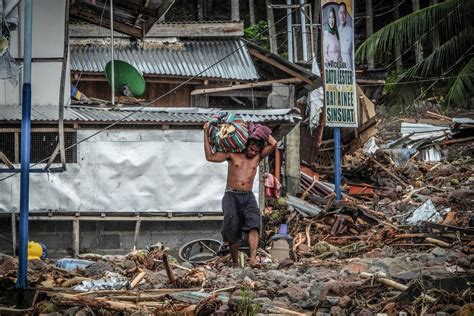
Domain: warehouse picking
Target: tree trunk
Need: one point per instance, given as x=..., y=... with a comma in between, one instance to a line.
x=435, y=36
x=369, y=28
x=271, y=27
x=398, y=50
x=235, y=10
x=252, y=12
x=418, y=46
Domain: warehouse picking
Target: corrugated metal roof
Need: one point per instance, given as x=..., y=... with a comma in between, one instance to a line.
x=183, y=58
x=11, y=113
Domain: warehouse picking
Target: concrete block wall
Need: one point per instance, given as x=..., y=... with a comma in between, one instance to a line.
x=109, y=237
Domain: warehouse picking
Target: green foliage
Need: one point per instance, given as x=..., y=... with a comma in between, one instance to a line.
x=451, y=24
x=246, y=306
x=258, y=34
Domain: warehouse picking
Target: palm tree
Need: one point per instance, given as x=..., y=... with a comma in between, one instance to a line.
x=449, y=66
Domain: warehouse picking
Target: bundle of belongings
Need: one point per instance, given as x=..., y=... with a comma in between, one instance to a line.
x=227, y=133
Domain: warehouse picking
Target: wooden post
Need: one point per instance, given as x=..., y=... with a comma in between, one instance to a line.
x=75, y=235
x=137, y=233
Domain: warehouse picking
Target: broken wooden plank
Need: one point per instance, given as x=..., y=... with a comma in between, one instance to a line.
x=137, y=279
x=245, y=86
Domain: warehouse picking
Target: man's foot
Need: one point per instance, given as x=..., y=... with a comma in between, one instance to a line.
x=254, y=264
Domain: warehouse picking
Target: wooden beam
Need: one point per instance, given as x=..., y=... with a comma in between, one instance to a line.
x=53, y=156
x=75, y=236
x=246, y=86
x=6, y=161
x=92, y=17
x=241, y=94
x=280, y=66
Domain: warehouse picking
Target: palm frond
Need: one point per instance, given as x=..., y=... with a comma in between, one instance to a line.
x=462, y=88
x=453, y=16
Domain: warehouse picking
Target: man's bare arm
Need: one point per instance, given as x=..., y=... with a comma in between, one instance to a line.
x=216, y=157
x=269, y=148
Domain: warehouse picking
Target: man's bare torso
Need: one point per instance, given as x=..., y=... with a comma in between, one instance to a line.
x=241, y=171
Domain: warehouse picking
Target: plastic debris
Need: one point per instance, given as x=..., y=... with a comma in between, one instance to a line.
x=110, y=281
x=426, y=212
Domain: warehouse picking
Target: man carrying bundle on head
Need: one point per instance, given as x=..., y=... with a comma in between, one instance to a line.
x=241, y=212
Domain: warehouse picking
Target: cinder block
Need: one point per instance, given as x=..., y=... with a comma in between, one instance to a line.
x=109, y=241
x=88, y=241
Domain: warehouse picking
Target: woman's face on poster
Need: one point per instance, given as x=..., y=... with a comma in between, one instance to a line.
x=331, y=19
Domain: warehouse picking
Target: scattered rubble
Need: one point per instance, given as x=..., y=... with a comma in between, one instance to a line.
x=401, y=240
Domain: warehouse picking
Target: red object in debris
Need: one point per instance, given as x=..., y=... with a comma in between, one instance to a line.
x=360, y=189
x=272, y=186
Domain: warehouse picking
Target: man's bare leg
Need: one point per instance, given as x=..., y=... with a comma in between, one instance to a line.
x=234, y=252
x=253, y=243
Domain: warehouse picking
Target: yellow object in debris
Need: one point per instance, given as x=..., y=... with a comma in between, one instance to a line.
x=35, y=250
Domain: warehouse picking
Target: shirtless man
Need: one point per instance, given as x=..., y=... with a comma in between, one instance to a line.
x=241, y=212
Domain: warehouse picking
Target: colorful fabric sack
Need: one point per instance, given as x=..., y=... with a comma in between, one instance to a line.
x=228, y=133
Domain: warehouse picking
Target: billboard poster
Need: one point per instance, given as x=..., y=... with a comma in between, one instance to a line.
x=338, y=63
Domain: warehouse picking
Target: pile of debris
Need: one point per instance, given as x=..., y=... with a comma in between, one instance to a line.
x=400, y=240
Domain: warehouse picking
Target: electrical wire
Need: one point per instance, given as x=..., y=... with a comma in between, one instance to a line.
x=140, y=109
x=414, y=81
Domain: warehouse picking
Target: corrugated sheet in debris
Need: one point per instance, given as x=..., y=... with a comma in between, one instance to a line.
x=183, y=115
x=191, y=58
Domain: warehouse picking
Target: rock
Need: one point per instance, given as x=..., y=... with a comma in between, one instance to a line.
x=262, y=293
x=355, y=267
x=282, y=302
x=247, y=272
x=315, y=290
x=365, y=312
x=438, y=252
x=336, y=311
x=446, y=170
x=78, y=311
x=454, y=181
x=262, y=300
x=97, y=268
x=295, y=293
x=276, y=276
x=345, y=301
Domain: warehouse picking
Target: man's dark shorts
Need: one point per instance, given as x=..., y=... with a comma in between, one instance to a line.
x=241, y=213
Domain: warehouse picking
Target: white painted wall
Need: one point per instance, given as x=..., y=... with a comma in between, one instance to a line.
x=129, y=171
x=48, y=42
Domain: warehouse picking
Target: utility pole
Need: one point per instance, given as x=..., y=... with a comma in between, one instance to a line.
x=418, y=46
x=252, y=12
x=271, y=27
x=398, y=50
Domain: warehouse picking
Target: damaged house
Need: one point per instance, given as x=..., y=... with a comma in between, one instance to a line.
x=137, y=164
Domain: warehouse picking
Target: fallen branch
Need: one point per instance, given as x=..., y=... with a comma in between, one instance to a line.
x=392, y=284
x=97, y=302
x=437, y=242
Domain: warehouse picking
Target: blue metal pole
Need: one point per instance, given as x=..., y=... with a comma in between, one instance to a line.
x=337, y=162
x=22, y=281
